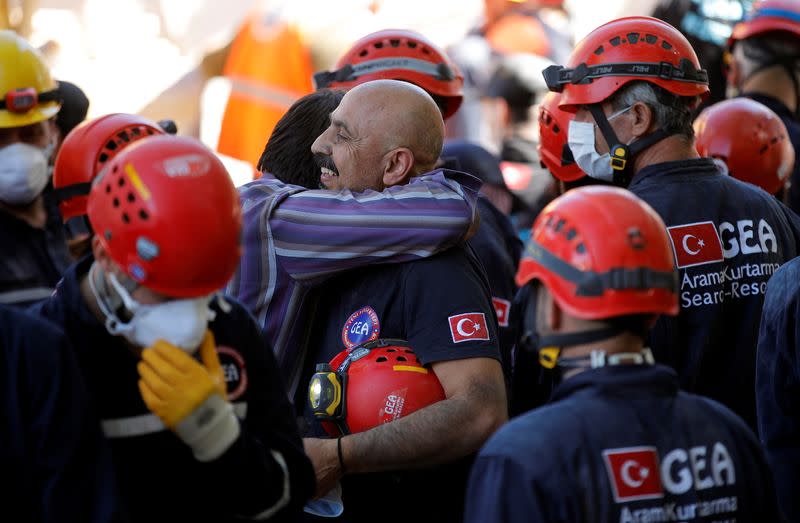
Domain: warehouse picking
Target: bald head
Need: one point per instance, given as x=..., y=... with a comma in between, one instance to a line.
x=382, y=133
x=404, y=115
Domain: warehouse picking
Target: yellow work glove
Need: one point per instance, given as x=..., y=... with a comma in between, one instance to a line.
x=189, y=396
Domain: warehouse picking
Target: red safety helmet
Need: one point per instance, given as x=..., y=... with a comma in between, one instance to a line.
x=602, y=252
x=554, y=151
x=166, y=211
x=374, y=383
x=750, y=139
x=84, y=153
x=395, y=54
x=767, y=16
x=623, y=51
x=518, y=33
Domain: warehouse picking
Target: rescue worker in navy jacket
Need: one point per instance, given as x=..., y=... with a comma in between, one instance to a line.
x=57, y=465
x=441, y=305
x=632, y=84
x=764, y=59
x=778, y=384
x=618, y=442
x=187, y=392
x=34, y=251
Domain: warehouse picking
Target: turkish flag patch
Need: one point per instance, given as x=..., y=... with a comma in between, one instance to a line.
x=502, y=308
x=695, y=244
x=468, y=326
x=634, y=473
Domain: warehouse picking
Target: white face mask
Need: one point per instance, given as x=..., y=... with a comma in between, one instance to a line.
x=182, y=323
x=23, y=173
x=580, y=137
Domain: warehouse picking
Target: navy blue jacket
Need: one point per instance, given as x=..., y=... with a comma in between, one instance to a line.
x=55, y=462
x=32, y=260
x=778, y=384
x=622, y=444
x=159, y=479
x=729, y=237
x=792, y=124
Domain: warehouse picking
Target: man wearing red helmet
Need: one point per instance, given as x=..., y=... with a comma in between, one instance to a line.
x=632, y=84
x=765, y=66
x=82, y=156
x=618, y=442
x=188, y=394
x=749, y=141
x=440, y=305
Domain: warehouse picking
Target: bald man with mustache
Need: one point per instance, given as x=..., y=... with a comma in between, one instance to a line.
x=385, y=134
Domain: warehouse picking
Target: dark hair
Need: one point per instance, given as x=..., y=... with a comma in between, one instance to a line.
x=287, y=155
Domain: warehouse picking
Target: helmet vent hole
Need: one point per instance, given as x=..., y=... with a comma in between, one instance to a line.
x=150, y=132
x=123, y=136
x=378, y=45
x=121, y=182
x=391, y=350
x=425, y=50
x=650, y=39
x=363, y=53
x=111, y=145
x=143, y=214
x=401, y=358
x=408, y=351
x=600, y=50
x=559, y=225
x=763, y=149
x=774, y=140
x=131, y=197
x=633, y=38
x=114, y=169
x=136, y=131
x=381, y=359
x=108, y=188
x=581, y=248
x=412, y=45
x=615, y=41
x=126, y=218
x=394, y=42
x=556, y=129
x=666, y=45
x=102, y=158
x=116, y=202
x=571, y=234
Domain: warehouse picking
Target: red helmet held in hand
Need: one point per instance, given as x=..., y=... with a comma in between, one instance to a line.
x=750, y=139
x=396, y=54
x=371, y=384
x=84, y=153
x=166, y=211
x=602, y=252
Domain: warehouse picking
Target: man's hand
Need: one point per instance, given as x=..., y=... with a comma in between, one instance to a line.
x=189, y=396
x=324, y=458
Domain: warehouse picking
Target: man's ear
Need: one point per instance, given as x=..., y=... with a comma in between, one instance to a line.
x=643, y=119
x=399, y=167
x=101, y=255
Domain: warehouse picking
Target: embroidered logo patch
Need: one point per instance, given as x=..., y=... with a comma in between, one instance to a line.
x=235, y=371
x=362, y=326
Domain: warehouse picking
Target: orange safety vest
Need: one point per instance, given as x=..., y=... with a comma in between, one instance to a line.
x=269, y=68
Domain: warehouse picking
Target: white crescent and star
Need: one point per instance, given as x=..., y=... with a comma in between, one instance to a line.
x=700, y=244
x=460, y=327
x=625, y=472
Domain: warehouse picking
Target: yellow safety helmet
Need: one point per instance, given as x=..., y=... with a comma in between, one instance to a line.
x=28, y=94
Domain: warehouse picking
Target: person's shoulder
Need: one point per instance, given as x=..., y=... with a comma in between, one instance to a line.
x=532, y=433
x=713, y=414
x=265, y=188
x=23, y=330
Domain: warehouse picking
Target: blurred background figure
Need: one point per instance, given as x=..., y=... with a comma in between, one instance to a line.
x=749, y=141
x=707, y=24
x=74, y=108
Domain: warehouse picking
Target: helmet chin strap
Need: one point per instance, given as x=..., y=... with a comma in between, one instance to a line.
x=622, y=155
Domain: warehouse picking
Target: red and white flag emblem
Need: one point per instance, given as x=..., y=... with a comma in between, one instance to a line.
x=468, y=326
x=695, y=244
x=633, y=472
x=502, y=308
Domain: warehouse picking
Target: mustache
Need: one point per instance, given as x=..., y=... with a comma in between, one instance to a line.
x=326, y=162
